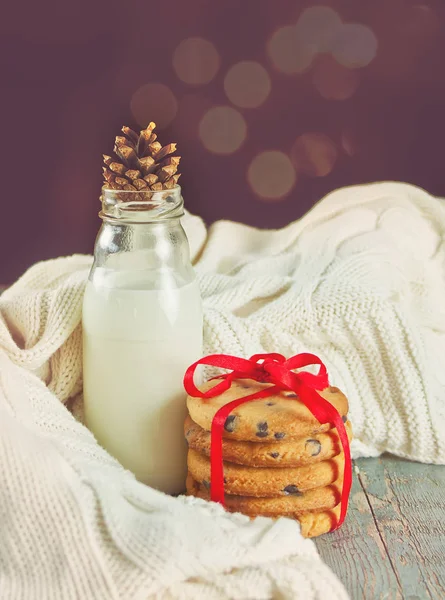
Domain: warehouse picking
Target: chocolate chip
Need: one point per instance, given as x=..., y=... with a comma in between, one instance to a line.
x=292, y=490
x=188, y=433
x=274, y=454
x=291, y=395
x=313, y=447
x=270, y=403
x=333, y=390
x=206, y=484
x=262, y=427
x=279, y=435
x=344, y=418
x=230, y=423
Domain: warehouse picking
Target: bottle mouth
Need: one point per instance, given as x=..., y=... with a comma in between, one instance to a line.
x=141, y=207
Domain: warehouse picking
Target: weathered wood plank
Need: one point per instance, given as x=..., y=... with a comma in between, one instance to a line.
x=357, y=554
x=408, y=503
x=393, y=542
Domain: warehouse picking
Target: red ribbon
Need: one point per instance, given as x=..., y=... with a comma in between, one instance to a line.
x=275, y=369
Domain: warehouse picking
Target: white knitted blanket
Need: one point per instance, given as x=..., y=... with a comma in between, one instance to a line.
x=360, y=281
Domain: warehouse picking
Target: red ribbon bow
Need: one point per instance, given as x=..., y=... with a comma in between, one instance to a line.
x=274, y=369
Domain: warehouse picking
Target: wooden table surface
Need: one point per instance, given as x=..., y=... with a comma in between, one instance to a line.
x=392, y=544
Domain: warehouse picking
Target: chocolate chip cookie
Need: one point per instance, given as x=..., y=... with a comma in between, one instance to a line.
x=312, y=522
x=275, y=418
x=267, y=482
x=293, y=452
x=322, y=498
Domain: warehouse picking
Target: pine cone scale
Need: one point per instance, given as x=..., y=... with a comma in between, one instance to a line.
x=166, y=172
x=118, y=168
x=151, y=178
x=133, y=174
x=165, y=151
x=131, y=135
x=140, y=184
x=145, y=164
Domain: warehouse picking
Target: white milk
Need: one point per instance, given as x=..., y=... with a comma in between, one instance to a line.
x=137, y=345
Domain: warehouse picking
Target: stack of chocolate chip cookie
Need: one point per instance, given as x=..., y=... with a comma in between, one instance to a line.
x=278, y=459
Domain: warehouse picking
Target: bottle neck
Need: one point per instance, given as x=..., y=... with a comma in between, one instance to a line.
x=142, y=255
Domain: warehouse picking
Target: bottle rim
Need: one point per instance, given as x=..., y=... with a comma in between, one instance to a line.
x=131, y=206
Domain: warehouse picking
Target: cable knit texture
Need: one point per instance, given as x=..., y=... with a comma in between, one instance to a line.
x=360, y=281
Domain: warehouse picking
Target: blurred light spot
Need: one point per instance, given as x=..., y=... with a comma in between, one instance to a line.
x=314, y=154
x=333, y=81
x=196, y=61
x=271, y=175
x=355, y=46
x=154, y=102
x=348, y=143
x=247, y=84
x=287, y=51
x=318, y=26
x=222, y=130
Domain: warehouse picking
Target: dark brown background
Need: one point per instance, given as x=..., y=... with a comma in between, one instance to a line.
x=73, y=73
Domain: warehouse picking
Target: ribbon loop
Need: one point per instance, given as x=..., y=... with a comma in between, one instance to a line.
x=272, y=357
x=275, y=369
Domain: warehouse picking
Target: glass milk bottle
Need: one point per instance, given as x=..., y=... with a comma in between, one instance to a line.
x=142, y=328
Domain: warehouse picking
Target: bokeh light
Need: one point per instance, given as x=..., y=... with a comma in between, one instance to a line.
x=222, y=130
x=154, y=102
x=314, y=154
x=287, y=51
x=333, y=81
x=271, y=175
x=247, y=84
x=355, y=46
x=196, y=61
x=318, y=27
